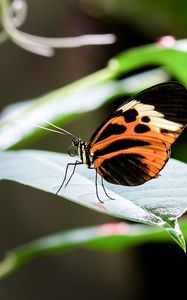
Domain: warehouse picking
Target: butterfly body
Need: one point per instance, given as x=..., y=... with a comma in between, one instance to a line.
x=83, y=151
x=133, y=144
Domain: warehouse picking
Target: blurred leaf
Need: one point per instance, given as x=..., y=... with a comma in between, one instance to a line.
x=158, y=202
x=106, y=237
x=92, y=91
x=173, y=59
x=16, y=120
x=149, y=17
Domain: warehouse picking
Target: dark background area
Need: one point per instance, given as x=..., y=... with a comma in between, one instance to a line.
x=149, y=272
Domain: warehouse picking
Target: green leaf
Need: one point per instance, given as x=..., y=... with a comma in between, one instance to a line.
x=72, y=100
x=158, y=202
x=106, y=237
x=173, y=59
x=16, y=120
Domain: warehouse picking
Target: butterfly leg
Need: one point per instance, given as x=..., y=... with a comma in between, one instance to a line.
x=75, y=164
x=96, y=188
x=69, y=164
x=102, y=182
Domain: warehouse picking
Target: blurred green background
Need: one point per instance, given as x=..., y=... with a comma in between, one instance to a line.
x=137, y=273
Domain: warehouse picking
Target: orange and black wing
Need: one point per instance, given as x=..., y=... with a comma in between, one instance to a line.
x=133, y=144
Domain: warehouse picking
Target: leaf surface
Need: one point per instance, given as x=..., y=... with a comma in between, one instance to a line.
x=158, y=202
x=106, y=237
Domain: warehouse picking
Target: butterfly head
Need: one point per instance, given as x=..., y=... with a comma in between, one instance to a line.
x=75, y=146
x=78, y=147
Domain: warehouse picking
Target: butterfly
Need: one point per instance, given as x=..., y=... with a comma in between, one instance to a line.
x=133, y=144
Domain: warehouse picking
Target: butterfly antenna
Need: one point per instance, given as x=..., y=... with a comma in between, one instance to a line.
x=60, y=130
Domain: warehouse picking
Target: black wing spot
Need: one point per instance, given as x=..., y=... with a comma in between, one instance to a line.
x=145, y=119
x=111, y=129
x=130, y=115
x=120, y=145
x=125, y=169
x=162, y=130
x=141, y=128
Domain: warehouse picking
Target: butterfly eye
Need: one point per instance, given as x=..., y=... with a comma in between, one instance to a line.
x=72, y=151
x=75, y=141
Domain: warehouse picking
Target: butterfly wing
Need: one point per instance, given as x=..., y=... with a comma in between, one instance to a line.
x=133, y=144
